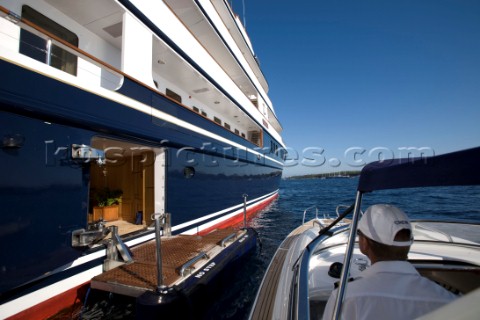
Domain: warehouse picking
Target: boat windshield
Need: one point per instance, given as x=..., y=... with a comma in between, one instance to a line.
x=446, y=232
x=439, y=231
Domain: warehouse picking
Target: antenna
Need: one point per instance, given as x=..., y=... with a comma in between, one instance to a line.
x=244, y=18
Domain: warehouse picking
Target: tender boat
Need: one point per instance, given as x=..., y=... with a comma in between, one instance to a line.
x=308, y=264
x=116, y=111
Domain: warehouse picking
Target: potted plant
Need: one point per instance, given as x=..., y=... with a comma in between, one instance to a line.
x=106, y=204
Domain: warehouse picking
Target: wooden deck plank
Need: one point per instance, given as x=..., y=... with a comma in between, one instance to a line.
x=266, y=296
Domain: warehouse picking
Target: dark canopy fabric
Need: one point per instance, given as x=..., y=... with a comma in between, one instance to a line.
x=457, y=168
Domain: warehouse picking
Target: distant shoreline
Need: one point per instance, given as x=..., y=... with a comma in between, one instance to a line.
x=330, y=175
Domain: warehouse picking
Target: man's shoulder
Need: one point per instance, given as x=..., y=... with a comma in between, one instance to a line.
x=434, y=289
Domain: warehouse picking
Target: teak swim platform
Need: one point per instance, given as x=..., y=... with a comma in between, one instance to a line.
x=187, y=262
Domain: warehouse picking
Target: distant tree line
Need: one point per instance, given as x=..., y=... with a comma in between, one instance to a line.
x=330, y=175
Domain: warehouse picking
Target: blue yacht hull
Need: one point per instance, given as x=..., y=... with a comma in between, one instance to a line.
x=45, y=194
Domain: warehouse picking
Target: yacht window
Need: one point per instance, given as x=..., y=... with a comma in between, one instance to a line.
x=173, y=95
x=196, y=109
x=226, y=125
x=217, y=120
x=40, y=49
x=254, y=137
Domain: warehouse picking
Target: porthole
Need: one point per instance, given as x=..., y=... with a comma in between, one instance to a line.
x=188, y=172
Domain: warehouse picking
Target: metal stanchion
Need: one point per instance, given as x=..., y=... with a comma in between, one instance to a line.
x=245, y=210
x=157, y=218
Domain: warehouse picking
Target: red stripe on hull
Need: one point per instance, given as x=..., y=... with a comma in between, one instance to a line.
x=238, y=219
x=66, y=305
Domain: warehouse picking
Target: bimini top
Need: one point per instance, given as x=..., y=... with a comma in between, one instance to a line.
x=451, y=169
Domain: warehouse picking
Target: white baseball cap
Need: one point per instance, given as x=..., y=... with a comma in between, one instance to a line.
x=381, y=222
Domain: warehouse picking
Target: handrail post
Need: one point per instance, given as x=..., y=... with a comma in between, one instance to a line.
x=160, y=286
x=306, y=210
x=48, y=58
x=245, y=210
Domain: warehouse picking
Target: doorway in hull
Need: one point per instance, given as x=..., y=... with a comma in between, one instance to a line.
x=129, y=187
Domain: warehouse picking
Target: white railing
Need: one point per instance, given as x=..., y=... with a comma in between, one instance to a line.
x=88, y=69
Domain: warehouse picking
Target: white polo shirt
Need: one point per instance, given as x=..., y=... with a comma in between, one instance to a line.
x=389, y=290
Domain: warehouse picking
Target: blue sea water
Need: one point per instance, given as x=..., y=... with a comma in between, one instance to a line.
x=275, y=222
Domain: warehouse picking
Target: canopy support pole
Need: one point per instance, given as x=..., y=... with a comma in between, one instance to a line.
x=348, y=256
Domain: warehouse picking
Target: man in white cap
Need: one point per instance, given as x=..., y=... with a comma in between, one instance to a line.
x=391, y=288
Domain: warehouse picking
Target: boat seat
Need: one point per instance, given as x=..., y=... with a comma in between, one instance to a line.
x=459, y=279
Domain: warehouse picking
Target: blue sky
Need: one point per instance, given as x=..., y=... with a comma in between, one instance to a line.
x=352, y=81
